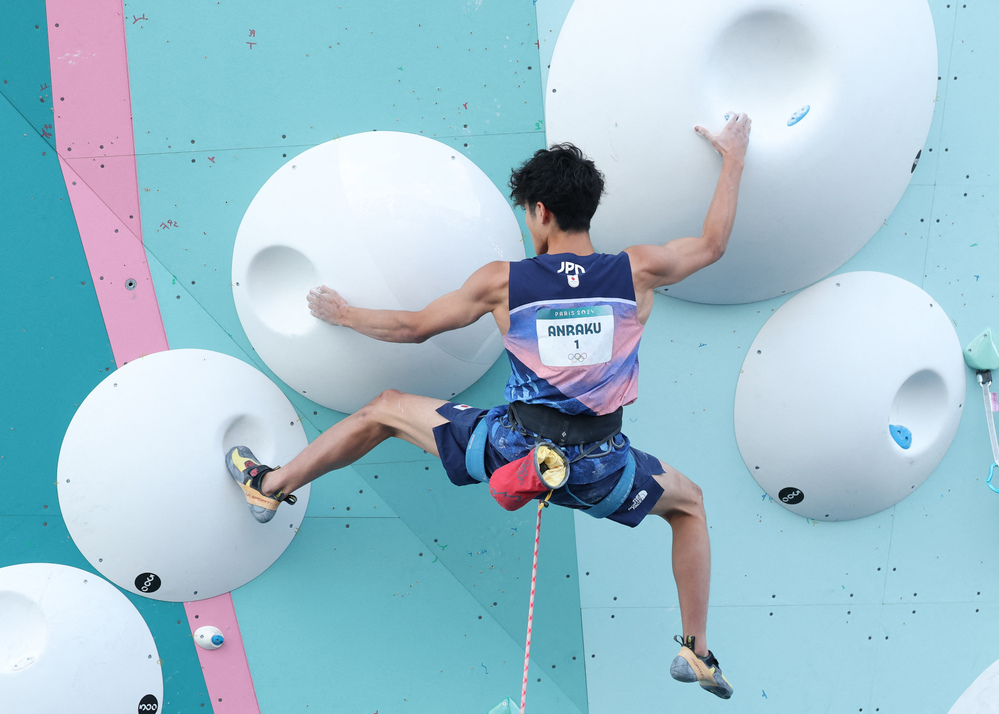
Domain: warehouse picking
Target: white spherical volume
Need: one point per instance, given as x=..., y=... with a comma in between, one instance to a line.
x=850, y=396
x=841, y=96
x=389, y=220
x=70, y=641
x=143, y=484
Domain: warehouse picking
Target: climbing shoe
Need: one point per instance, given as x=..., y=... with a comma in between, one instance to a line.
x=249, y=474
x=688, y=667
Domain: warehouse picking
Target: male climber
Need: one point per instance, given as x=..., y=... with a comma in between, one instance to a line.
x=571, y=321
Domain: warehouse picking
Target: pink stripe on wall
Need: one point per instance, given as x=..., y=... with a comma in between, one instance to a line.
x=96, y=148
x=226, y=669
x=94, y=141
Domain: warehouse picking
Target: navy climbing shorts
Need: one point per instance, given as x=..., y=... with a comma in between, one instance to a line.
x=590, y=478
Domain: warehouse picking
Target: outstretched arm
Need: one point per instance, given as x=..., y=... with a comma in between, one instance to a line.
x=484, y=292
x=656, y=265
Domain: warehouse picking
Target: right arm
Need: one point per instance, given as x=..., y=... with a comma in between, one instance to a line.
x=654, y=266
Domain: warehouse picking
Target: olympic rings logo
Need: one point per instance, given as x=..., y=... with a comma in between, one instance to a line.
x=576, y=357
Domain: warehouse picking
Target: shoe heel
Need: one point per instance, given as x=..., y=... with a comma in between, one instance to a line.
x=681, y=670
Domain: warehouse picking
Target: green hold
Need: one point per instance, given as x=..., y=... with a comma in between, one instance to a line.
x=507, y=706
x=981, y=353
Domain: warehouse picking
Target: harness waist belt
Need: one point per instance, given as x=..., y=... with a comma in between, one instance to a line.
x=565, y=429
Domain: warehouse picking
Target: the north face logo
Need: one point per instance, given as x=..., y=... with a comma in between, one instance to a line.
x=572, y=272
x=637, y=501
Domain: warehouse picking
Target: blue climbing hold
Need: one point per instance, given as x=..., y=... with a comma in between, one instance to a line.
x=217, y=640
x=901, y=435
x=799, y=115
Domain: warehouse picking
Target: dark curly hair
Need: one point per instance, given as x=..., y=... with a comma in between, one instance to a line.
x=563, y=179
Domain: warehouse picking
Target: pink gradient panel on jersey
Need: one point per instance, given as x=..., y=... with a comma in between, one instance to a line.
x=579, y=381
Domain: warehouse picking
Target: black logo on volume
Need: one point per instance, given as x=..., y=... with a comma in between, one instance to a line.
x=148, y=583
x=791, y=495
x=149, y=703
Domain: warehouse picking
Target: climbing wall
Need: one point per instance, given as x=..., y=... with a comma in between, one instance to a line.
x=401, y=593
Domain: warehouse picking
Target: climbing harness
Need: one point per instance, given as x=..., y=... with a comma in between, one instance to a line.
x=565, y=429
x=556, y=430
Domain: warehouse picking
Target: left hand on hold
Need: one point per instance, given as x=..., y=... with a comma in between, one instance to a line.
x=327, y=305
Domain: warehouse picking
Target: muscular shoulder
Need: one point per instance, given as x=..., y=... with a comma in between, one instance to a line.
x=490, y=283
x=646, y=265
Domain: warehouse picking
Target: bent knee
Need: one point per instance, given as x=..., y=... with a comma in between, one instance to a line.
x=681, y=496
x=383, y=408
x=388, y=397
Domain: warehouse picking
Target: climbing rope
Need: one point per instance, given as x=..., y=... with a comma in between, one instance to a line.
x=530, y=609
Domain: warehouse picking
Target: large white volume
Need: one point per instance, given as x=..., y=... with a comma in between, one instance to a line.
x=982, y=697
x=143, y=484
x=841, y=95
x=389, y=220
x=850, y=396
x=71, y=642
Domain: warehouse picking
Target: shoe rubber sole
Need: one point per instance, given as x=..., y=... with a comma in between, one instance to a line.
x=688, y=667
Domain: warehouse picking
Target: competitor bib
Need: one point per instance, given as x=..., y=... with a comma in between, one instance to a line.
x=575, y=336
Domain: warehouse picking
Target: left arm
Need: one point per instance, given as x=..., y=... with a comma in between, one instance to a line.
x=484, y=292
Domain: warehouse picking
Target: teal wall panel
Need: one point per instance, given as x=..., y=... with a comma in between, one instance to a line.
x=931, y=559
x=775, y=668
x=315, y=71
x=962, y=263
x=347, y=495
x=54, y=344
x=25, y=79
x=901, y=246
x=971, y=97
x=371, y=620
x=489, y=552
x=943, y=22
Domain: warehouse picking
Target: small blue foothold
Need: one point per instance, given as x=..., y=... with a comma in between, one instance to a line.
x=901, y=435
x=217, y=640
x=799, y=115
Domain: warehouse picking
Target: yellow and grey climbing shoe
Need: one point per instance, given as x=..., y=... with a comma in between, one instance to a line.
x=688, y=667
x=249, y=474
